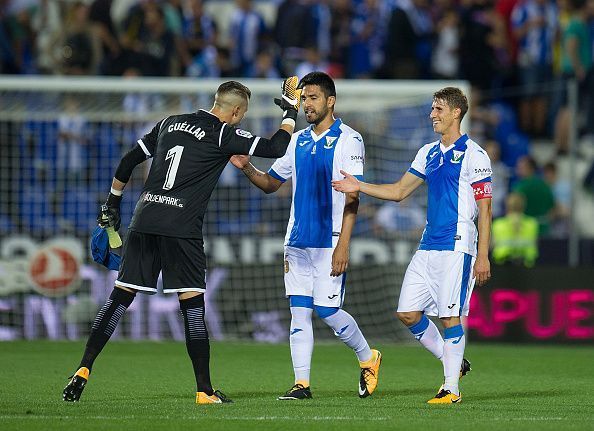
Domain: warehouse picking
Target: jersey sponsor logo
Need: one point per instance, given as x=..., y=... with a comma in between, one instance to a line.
x=483, y=171
x=166, y=200
x=243, y=133
x=433, y=154
x=192, y=129
x=358, y=159
x=457, y=156
x=329, y=142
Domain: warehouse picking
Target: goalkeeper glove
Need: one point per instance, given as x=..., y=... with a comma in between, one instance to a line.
x=290, y=100
x=109, y=213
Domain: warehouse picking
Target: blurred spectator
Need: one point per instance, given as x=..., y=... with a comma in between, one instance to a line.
x=291, y=38
x=501, y=178
x=498, y=121
x=313, y=62
x=200, y=36
x=483, y=45
x=540, y=201
x=264, y=67
x=515, y=235
x=445, y=58
x=72, y=143
x=408, y=47
x=80, y=48
x=576, y=63
x=535, y=27
x=155, y=46
x=561, y=188
x=47, y=24
x=366, y=41
x=104, y=29
x=321, y=17
x=17, y=37
x=247, y=35
x=340, y=31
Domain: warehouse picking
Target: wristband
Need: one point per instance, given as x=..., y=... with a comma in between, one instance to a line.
x=113, y=200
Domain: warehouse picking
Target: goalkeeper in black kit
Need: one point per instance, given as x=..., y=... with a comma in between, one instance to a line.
x=189, y=152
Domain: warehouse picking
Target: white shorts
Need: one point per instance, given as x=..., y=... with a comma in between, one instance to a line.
x=307, y=273
x=438, y=283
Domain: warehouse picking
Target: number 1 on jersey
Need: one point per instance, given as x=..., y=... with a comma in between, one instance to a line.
x=175, y=155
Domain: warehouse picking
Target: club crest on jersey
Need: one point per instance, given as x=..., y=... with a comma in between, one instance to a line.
x=329, y=142
x=243, y=133
x=457, y=156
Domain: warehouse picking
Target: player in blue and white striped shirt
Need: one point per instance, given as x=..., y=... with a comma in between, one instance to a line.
x=442, y=273
x=319, y=230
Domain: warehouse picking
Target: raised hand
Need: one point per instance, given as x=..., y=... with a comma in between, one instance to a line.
x=290, y=99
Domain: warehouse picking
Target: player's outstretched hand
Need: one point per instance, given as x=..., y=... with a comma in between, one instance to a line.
x=290, y=97
x=350, y=184
x=240, y=161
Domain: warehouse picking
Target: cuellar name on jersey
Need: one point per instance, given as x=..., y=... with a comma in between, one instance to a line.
x=160, y=199
x=188, y=128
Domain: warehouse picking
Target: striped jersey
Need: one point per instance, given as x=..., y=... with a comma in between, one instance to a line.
x=536, y=46
x=450, y=174
x=312, y=162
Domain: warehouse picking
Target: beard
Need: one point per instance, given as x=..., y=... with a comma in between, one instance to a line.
x=316, y=117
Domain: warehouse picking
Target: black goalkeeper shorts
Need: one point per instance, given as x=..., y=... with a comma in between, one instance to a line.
x=181, y=260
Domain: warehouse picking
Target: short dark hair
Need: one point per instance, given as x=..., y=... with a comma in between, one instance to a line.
x=454, y=97
x=236, y=88
x=321, y=79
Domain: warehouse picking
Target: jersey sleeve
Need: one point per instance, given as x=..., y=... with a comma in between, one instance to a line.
x=148, y=142
x=282, y=168
x=353, y=156
x=479, y=167
x=233, y=140
x=418, y=165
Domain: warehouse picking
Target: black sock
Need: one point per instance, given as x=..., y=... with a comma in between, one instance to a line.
x=197, y=341
x=105, y=323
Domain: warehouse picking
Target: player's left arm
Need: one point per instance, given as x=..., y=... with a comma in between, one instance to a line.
x=482, y=266
x=340, y=256
x=353, y=160
x=480, y=180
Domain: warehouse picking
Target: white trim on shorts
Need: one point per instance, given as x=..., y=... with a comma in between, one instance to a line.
x=185, y=289
x=151, y=290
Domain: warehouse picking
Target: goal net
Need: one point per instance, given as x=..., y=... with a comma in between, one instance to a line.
x=60, y=142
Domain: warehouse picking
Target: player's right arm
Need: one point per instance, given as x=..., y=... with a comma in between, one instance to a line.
x=262, y=180
x=109, y=213
x=397, y=191
x=237, y=141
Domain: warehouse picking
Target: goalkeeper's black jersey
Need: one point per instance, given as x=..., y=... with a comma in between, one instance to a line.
x=189, y=152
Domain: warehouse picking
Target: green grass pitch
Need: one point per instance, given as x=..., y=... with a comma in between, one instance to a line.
x=149, y=386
